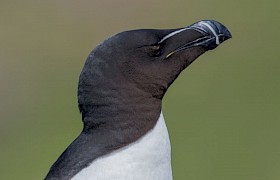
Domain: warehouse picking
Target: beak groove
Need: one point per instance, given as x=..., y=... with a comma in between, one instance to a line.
x=214, y=34
x=213, y=28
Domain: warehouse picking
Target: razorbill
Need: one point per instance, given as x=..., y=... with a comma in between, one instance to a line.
x=120, y=95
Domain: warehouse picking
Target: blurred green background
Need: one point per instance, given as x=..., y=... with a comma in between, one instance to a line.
x=222, y=112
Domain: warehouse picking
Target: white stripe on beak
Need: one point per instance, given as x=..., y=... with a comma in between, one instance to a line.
x=197, y=29
x=213, y=31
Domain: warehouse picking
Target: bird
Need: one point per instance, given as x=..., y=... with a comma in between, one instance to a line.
x=120, y=92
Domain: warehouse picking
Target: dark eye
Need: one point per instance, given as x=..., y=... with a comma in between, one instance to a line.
x=154, y=50
x=155, y=47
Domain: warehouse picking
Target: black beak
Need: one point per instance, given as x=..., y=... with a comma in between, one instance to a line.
x=214, y=33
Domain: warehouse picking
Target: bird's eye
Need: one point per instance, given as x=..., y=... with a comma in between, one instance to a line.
x=155, y=50
x=155, y=47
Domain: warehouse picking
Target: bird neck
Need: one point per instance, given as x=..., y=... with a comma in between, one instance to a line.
x=121, y=113
x=120, y=108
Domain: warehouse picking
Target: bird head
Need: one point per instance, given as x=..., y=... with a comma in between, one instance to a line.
x=150, y=60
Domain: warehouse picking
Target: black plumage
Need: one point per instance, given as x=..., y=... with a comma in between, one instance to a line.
x=122, y=85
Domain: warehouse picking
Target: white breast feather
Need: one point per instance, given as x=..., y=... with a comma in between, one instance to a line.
x=146, y=159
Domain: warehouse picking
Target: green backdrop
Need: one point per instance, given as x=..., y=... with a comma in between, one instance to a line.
x=222, y=112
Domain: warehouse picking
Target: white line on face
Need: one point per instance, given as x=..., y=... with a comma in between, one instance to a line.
x=172, y=34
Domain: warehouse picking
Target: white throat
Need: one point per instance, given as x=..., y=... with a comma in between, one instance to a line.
x=149, y=158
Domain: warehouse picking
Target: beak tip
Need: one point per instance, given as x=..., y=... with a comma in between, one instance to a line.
x=213, y=28
x=229, y=35
x=219, y=28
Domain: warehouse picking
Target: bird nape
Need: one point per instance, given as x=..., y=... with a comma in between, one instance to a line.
x=120, y=95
